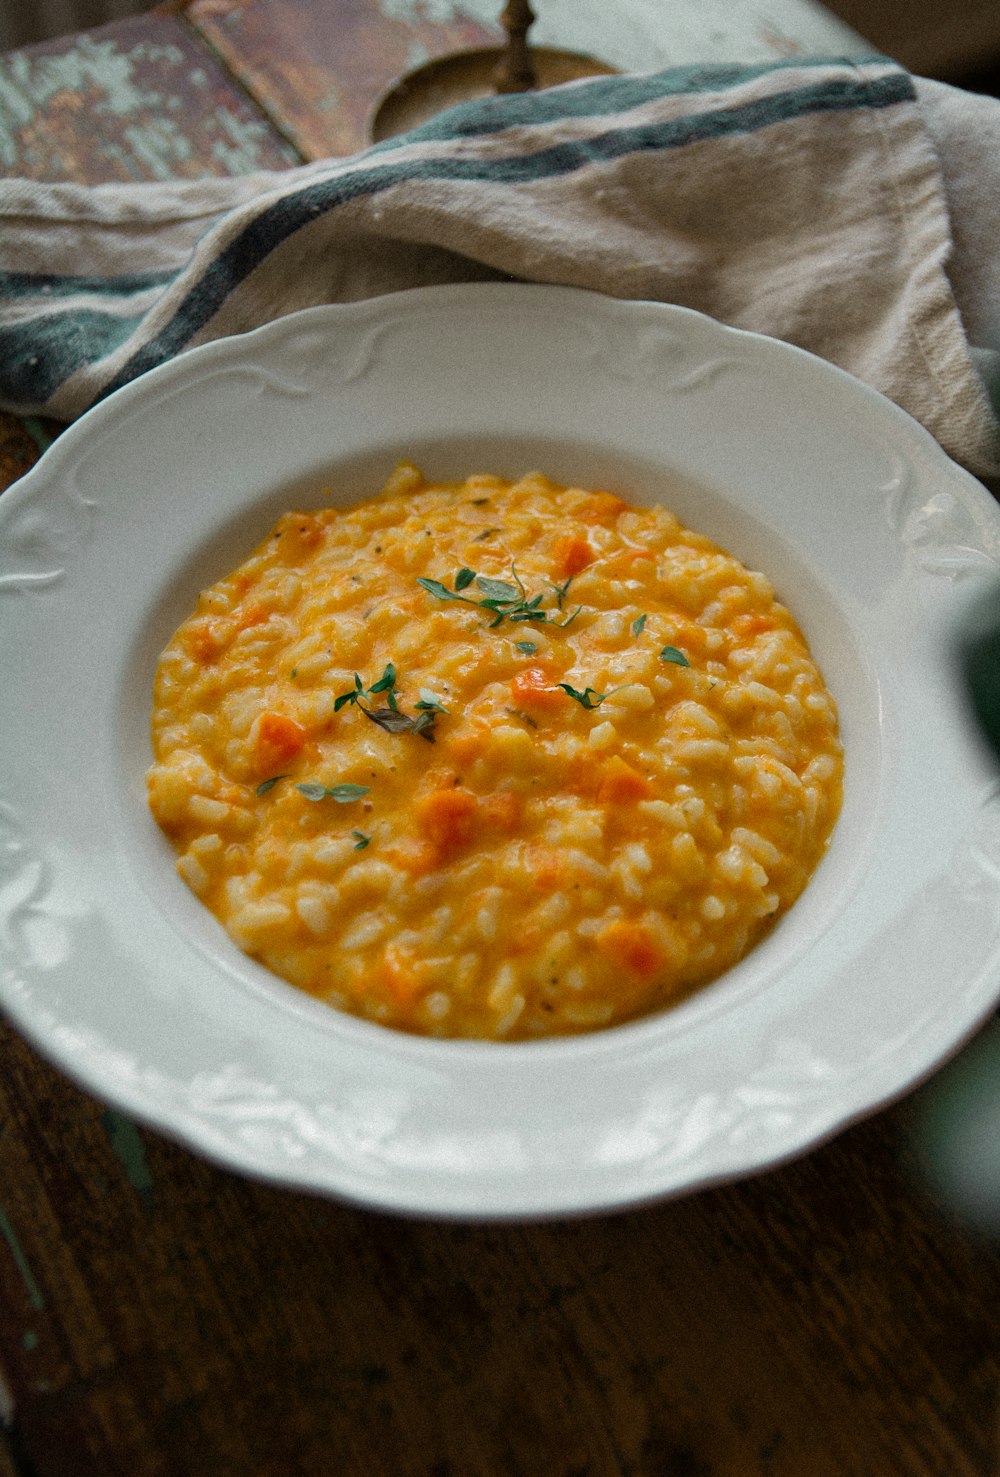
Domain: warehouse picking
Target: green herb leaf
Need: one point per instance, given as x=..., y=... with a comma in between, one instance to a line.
x=562, y=590
x=343, y=794
x=429, y=702
x=386, y=682
x=638, y=624
x=499, y=591
x=266, y=785
x=569, y=619
x=362, y=840
x=589, y=698
x=345, y=697
x=391, y=719
x=671, y=654
x=464, y=578
x=424, y=725
x=440, y=591
x=527, y=647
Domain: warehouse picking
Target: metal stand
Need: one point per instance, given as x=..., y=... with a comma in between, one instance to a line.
x=465, y=75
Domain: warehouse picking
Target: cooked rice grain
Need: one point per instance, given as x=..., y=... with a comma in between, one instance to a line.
x=594, y=831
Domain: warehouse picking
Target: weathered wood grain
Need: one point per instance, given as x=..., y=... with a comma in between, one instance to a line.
x=160, y=1317
x=142, y=99
x=319, y=69
x=166, y=1317
x=18, y=449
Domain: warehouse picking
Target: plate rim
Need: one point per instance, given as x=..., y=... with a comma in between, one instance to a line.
x=116, y=409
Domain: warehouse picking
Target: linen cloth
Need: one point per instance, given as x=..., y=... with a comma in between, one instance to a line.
x=846, y=207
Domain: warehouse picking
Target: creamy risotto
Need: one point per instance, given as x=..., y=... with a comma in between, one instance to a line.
x=490, y=759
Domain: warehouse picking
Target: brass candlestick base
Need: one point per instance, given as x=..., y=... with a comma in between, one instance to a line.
x=465, y=75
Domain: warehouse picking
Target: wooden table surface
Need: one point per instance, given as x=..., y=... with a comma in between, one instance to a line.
x=161, y=1317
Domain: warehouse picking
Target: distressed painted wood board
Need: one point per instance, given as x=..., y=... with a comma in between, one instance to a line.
x=142, y=99
x=319, y=66
x=163, y=1318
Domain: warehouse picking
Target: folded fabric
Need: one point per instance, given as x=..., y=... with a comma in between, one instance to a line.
x=840, y=206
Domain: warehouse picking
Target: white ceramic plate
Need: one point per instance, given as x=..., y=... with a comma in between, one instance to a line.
x=114, y=970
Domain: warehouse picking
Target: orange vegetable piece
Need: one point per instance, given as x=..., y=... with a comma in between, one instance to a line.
x=620, y=783
x=600, y=507
x=417, y=858
x=448, y=817
x=254, y=614
x=500, y=811
x=278, y=739
x=570, y=554
x=630, y=945
x=534, y=688
x=202, y=642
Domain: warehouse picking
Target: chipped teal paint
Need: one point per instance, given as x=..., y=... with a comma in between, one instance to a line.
x=21, y=1262
x=110, y=76
x=240, y=155
x=126, y=1141
x=34, y=81
x=158, y=145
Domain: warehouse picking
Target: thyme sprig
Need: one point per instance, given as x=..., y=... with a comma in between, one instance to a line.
x=391, y=717
x=503, y=599
x=313, y=790
x=343, y=794
x=589, y=698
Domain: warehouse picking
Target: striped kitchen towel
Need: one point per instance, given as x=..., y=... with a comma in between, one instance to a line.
x=841, y=206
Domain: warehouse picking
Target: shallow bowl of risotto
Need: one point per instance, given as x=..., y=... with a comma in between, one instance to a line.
x=495, y=751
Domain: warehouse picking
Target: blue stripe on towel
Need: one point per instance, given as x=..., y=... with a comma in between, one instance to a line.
x=23, y=286
x=281, y=220
x=604, y=96
x=37, y=355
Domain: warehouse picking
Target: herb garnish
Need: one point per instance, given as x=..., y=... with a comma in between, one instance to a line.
x=266, y=785
x=528, y=648
x=589, y=698
x=429, y=702
x=362, y=840
x=506, y=601
x=562, y=590
x=638, y=624
x=671, y=654
x=391, y=717
x=343, y=794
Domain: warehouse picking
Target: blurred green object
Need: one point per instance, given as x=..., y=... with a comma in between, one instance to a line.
x=959, y=1117
x=979, y=648
x=960, y=1107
